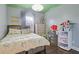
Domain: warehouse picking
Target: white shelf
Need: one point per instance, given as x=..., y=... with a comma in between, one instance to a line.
x=64, y=39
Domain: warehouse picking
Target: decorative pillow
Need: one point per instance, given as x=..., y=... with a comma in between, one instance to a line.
x=14, y=31
x=26, y=31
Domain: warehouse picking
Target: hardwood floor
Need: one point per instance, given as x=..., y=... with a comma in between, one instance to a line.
x=56, y=50
x=53, y=50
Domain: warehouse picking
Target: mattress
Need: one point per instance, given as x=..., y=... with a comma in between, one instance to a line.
x=12, y=44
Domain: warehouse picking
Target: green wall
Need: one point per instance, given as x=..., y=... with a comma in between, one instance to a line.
x=46, y=6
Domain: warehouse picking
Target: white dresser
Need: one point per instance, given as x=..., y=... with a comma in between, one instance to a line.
x=40, y=29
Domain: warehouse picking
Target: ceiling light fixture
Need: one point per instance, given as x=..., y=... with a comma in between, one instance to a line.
x=37, y=7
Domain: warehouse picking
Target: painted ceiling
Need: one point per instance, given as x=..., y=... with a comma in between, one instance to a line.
x=46, y=6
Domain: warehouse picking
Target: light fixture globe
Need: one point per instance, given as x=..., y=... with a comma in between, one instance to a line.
x=37, y=7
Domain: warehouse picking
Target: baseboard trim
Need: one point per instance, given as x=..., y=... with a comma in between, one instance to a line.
x=75, y=48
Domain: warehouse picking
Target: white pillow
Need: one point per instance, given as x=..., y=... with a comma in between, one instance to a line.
x=26, y=31
x=14, y=31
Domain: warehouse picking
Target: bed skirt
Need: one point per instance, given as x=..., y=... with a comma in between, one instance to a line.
x=37, y=50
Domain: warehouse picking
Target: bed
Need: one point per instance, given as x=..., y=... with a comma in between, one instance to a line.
x=13, y=44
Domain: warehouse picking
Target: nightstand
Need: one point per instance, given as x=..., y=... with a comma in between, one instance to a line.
x=52, y=37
